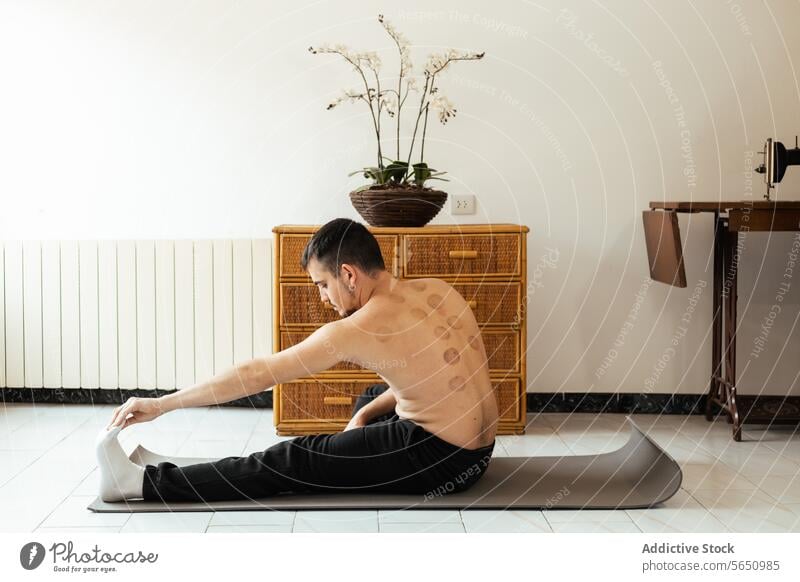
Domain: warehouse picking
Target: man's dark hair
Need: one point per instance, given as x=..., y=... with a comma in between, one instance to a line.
x=344, y=241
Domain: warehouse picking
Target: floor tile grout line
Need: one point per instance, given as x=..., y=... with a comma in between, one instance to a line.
x=44, y=452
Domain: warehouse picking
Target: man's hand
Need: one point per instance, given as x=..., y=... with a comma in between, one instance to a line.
x=357, y=421
x=141, y=409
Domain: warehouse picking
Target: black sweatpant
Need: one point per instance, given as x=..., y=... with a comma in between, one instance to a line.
x=389, y=454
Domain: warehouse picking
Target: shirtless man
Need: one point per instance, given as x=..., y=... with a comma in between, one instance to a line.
x=419, y=336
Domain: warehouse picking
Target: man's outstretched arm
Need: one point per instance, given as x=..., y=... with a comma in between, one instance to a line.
x=318, y=352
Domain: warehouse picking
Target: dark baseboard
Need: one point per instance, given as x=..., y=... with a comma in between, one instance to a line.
x=537, y=401
x=624, y=403
x=102, y=396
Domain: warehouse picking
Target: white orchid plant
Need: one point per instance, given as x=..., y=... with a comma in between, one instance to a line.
x=398, y=172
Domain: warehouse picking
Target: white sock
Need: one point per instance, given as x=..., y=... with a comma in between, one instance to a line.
x=120, y=478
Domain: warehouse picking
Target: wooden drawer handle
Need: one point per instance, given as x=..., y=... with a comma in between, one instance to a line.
x=472, y=303
x=463, y=254
x=338, y=400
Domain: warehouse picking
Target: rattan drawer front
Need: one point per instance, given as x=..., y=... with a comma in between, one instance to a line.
x=495, y=303
x=292, y=246
x=454, y=255
x=502, y=350
x=292, y=337
x=318, y=401
x=300, y=305
x=307, y=401
x=508, y=399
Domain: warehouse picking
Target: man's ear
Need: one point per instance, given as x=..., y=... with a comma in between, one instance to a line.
x=348, y=275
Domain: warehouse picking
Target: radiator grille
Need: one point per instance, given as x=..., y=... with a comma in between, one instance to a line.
x=131, y=313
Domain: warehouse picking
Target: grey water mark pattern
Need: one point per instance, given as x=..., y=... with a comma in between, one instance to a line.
x=546, y=261
x=383, y=364
x=728, y=279
x=530, y=115
x=470, y=83
x=739, y=17
x=462, y=479
x=687, y=154
x=555, y=499
x=627, y=326
x=386, y=364
x=748, y=173
x=568, y=19
x=780, y=294
x=457, y=16
x=680, y=332
x=521, y=107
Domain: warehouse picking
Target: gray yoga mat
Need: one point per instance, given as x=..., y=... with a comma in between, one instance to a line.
x=638, y=475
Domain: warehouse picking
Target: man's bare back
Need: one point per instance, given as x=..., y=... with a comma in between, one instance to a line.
x=419, y=335
x=422, y=338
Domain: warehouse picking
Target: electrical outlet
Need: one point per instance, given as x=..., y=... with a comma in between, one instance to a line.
x=462, y=204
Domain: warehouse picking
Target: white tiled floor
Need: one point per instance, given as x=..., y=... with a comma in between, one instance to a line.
x=47, y=456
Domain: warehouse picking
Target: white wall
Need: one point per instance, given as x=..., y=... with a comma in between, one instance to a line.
x=207, y=119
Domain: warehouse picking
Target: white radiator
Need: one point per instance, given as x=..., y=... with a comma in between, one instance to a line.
x=131, y=314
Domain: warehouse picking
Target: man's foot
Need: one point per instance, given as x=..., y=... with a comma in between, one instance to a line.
x=120, y=478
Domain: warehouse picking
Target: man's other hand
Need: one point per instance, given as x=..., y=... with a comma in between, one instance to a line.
x=357, y=421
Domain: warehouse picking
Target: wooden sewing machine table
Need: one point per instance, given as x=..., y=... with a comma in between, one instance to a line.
x=666, y=265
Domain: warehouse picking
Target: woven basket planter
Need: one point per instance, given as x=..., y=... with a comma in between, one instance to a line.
x=398, y=206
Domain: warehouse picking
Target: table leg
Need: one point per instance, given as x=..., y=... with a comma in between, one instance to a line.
x=731, y=274
x=716, y=326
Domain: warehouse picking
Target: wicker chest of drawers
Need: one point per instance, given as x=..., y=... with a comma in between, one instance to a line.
x=485, y=263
